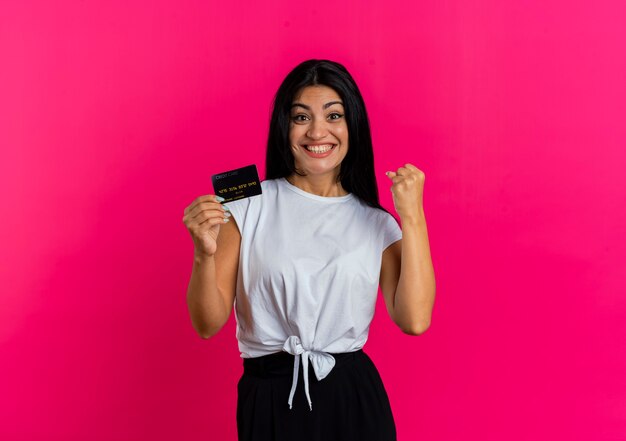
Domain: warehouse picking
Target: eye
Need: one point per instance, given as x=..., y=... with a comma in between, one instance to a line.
x=338, y=115
x=297, y=117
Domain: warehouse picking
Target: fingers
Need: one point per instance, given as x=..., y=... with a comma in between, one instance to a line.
x=207, y=204
x=408, y=170
x=395, y=176
x=207, y=219
x=202, y=199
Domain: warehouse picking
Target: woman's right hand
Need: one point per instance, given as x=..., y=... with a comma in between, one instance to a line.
x=203, y=218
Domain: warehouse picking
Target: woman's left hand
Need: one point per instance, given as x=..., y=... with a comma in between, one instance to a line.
x=408, y=190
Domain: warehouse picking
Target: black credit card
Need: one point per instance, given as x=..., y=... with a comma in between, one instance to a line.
x=237, y=184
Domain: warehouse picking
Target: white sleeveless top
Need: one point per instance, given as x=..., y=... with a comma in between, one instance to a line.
x=309, y=268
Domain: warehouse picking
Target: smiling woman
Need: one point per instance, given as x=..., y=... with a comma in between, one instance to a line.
x=302, y=263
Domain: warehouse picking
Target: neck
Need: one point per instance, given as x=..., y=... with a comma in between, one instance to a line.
x=321, y=185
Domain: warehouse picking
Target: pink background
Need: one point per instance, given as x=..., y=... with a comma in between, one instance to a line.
x=113, y=116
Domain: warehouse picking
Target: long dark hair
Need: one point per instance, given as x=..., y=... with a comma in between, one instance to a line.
x=357, y=168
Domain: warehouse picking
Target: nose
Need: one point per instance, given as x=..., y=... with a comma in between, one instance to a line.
x=317, y=129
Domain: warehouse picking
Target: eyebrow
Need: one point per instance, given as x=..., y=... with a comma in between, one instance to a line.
x=327, y=105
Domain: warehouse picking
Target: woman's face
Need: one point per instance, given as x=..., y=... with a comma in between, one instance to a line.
x=318, y=132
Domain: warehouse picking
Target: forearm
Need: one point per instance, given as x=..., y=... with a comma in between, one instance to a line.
x=415, y=293
x=206, y=305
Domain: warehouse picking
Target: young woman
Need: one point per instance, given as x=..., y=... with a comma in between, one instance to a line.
x=302, y=263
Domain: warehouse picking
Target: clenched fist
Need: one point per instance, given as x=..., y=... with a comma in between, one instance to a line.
x=408, y=191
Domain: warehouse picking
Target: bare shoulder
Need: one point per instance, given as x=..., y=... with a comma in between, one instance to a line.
x=229, y=231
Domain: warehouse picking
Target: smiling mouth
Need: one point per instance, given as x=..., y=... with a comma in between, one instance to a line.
x=319, y=148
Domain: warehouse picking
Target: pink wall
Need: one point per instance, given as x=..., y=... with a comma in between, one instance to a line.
x=113, y=116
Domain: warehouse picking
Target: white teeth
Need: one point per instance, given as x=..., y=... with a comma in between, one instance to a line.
x=319, y=148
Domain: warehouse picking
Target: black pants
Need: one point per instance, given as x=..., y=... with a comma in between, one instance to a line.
x=349, y=404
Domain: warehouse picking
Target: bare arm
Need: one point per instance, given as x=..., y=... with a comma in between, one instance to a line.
x=211, y=291
x=407, y=279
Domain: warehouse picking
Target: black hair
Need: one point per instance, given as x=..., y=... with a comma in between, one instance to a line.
x=357, y=168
